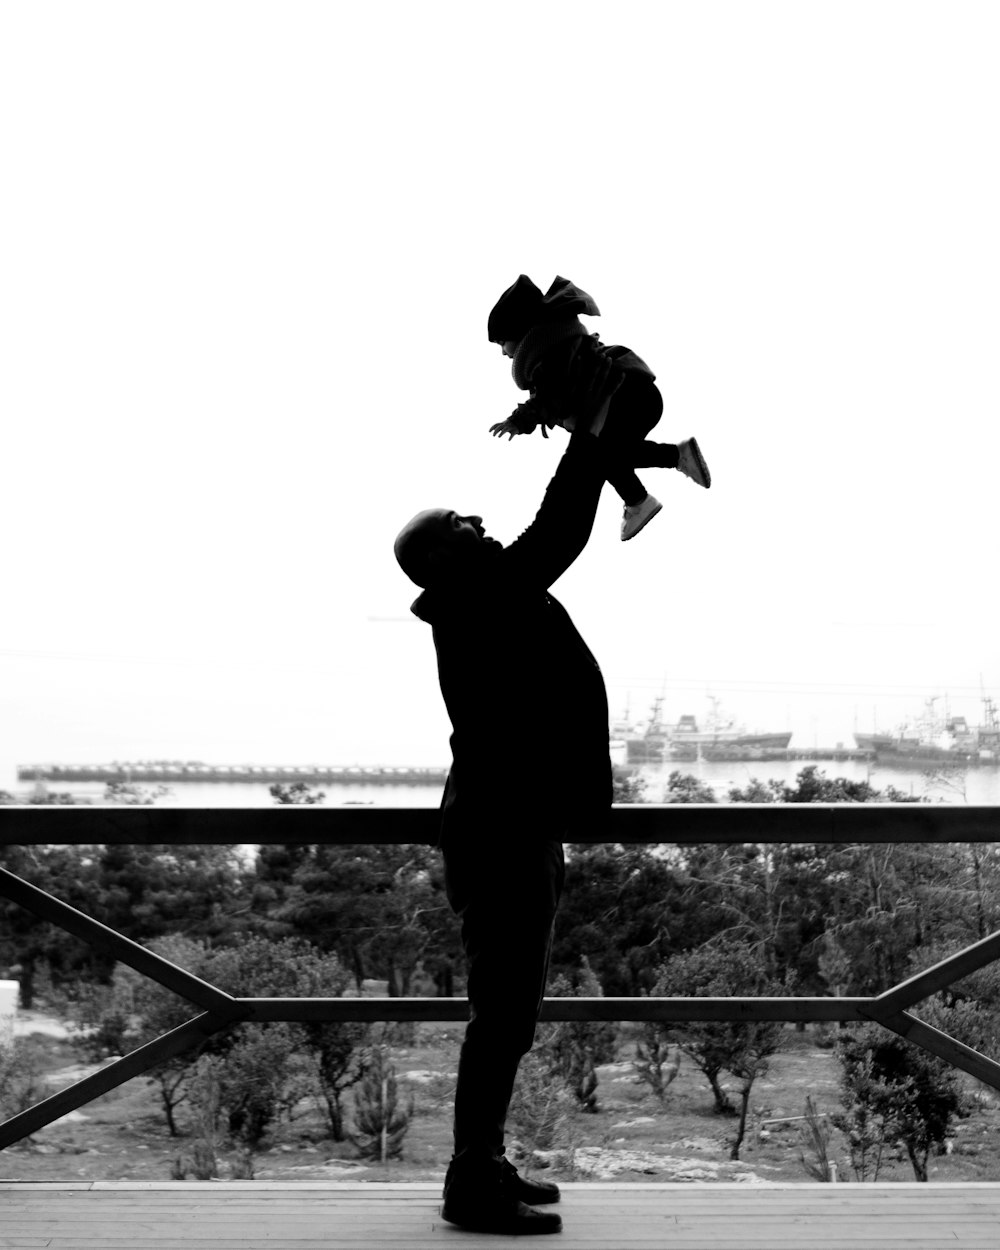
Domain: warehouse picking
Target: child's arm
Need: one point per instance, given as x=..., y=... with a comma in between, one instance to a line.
x=523, y=420
x=562, y=526
x=504, y=427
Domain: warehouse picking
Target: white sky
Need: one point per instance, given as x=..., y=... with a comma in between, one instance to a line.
x=247, y=253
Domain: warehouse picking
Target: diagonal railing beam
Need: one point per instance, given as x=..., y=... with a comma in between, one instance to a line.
x=678, y=824
x=938, y=977
x=119, y=947
x=135, y=1063
x=941, y=1044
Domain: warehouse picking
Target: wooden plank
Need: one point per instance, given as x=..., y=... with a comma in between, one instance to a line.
x=61, y=1186
x=356, y=1237
x=390, y=1214
x=252, y=1215
x=661, y=1241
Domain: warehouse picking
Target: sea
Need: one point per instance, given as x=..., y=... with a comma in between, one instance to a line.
x=978, y=784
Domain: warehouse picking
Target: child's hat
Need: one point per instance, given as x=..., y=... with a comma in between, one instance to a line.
x=523, y=305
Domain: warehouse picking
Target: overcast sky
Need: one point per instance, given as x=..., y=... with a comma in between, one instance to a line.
x=246, y=260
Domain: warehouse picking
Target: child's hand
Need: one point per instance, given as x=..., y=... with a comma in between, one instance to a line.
x=504, y=427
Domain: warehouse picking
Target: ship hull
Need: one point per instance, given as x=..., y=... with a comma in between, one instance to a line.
x=912, y=753
x=707, y=746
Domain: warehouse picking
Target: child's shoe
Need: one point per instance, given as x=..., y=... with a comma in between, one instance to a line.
x=692, y=462
x=637, y=515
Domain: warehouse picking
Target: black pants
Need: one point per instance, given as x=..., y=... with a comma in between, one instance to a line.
x=635, y=408
x=506, y=894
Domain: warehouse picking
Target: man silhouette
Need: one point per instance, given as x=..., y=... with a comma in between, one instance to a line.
x=529, y=714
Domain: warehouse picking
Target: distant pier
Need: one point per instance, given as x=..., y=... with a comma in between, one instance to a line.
x=166, y=772
x=721, y=754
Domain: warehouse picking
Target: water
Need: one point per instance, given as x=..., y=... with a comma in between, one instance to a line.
x=973, y=785
x=256, y=794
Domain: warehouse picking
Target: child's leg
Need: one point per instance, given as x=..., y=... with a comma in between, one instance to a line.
x=659, y=455
x=625, y=482
x=635, y=408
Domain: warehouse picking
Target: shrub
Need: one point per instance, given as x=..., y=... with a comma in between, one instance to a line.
x=380, y=1123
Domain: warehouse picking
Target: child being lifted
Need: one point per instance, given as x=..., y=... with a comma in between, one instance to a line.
x=542, y=334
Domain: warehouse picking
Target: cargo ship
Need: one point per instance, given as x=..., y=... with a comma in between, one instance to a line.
x=655, y=741
x=932, y=739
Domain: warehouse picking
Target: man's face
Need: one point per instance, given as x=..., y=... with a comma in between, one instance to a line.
x=439, y=542
x=462, y=534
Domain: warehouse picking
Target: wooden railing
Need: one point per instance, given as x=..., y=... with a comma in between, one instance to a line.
x=677, y=824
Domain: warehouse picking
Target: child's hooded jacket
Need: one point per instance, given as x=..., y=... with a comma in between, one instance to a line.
x=548, y=334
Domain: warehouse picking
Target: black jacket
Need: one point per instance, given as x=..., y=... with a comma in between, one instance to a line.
x=549, y=380
x=525, y=696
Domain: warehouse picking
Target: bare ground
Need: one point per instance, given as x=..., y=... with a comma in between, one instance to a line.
x=630, y=1138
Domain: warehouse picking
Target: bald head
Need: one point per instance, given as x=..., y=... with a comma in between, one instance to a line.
x=436, y=542
x=415, y=542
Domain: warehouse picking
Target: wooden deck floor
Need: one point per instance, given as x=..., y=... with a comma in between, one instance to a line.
x=258, y=1215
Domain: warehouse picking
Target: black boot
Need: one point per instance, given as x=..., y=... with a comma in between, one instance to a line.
x=483, y=1196
x=534, y=1193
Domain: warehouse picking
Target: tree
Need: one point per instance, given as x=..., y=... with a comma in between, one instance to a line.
x=298, y=792
x=657, y=1062
x=132, y=795
x=134, y=1009
x=573, y=1049
x=30, y=946
x=722, y=970
x=722, y=896
x=866, y=1100
x=263, y=1075
x=687, y=788
x=887, y=904
x=813, y=786
x=338, y=1053
x=914, y=1093
x=44, y=798
x=21, y=1081
x=146, y=892
x=541, y=1109
x=262, y=1069
x=855, y=912
x=630, y=788
x=622, y=909
x=380, y=1122
x=381, y=908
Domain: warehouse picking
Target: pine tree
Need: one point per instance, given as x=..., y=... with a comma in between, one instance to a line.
x=575, y=1048
x=380, y=1123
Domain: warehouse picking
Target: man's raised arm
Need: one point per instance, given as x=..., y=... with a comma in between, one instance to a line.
x=562, y=526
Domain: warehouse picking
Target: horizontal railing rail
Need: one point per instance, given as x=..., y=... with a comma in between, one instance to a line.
x=677, y=824
x=649, y=823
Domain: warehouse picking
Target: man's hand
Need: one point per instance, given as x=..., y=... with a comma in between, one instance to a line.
x=504, y=427
x=592, y=380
